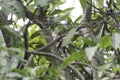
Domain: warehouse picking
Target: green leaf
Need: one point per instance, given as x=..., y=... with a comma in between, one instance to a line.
x=51, y=8
x=77, y=20
x=106, y=78
x=99, y=3
x=117, y=2
x=13, y=75
x=116, y=40
x=1, y=39
x=57, y=11
x=14, y=7
x=4, y=53
x=42, y=3
x=13, y=63
x=3, y=58
x=68, y=9
x=33, y=29
x=90, y=51
x=15, y=50
x=68, y=37
x=104, y=67
x=7, y=29
x=39, y=70
x=83, y=4
x=105, y=41
x=89, y=42
x=37, y=41
x=73, y=57
x=26, y=78
x=33, y=71
x=63, y=15
x=116, y=69
x=35, y=34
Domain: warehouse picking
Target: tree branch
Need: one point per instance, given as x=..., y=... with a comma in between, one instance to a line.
x=80, y=76
x=81, y=65
x=50, y=44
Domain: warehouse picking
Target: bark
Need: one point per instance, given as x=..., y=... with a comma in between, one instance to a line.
x=3, y=22
x=85, y=21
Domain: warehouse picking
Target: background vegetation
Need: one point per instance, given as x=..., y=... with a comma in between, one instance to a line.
x=51, y=46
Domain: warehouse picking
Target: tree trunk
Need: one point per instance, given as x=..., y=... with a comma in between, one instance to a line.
x=86, y=20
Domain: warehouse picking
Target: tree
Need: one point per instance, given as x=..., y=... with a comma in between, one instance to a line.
x=44, y=48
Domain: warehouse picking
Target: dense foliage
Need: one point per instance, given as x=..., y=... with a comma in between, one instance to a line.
x=49, y=45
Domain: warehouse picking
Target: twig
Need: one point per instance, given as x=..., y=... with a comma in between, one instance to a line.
x=101, y=12
x=109, y=3
x=38, y=22
x=50, y=44
x=26, y=34
x=80, y=76
x=115, y=19
x=81, y=65
x=44, y=47
x=29, y=2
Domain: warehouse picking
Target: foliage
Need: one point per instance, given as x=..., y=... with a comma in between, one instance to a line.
x=44, y=48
